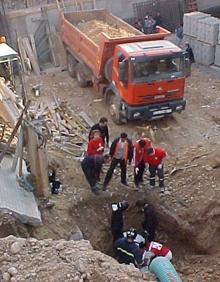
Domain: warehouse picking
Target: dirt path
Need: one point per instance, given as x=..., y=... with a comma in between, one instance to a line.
x=191, y=139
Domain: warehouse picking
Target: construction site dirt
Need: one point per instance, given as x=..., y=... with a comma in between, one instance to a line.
x=189, y=211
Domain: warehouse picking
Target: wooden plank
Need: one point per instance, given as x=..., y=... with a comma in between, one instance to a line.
x=43, y=190
x=33, y=45
x=32, y=150
x=86, y=118
x=31, y=56
x=49, y=34
x=22, y=54
x=14, y=131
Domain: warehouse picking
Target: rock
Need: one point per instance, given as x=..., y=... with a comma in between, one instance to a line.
x=6, y=277
x=16, y=247
x=60, y=247
x=13, y=271
x=76, y=234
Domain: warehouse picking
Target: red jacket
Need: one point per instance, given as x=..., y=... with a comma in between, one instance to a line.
x=157, y=248
x=139, y=152
x=156, y=158
x=94, y=145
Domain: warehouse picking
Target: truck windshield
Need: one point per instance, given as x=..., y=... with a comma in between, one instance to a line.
x=157, y=69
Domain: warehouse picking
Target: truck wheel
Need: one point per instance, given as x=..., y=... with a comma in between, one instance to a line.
x=114, y=109
x=80, y=76
x=71, y=65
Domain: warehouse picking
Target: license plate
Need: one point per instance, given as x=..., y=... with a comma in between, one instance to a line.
x=162, y=112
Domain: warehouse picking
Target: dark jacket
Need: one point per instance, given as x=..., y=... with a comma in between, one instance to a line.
x=117, y=224
x=103, y=130
x=130, y=148
x=128, y=252
x=190, y=54
x=158, y=21
x=150, y=219
x=93, y=162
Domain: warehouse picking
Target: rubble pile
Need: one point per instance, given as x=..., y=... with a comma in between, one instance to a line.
x=27, y=260
x=67, y=130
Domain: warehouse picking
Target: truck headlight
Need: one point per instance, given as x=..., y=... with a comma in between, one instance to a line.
x=179, y=107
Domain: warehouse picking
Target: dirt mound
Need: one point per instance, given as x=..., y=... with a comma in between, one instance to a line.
x=94, y=28
x=26, y=260
x=10, y=226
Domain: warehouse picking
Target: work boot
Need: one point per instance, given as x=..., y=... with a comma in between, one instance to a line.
x=125, y=183
x=95, y=190
x=162, y=190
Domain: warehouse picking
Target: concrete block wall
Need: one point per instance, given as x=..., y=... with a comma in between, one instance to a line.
x=190, y=22
x=217, y=55
x=202, y=32
x=208, y=30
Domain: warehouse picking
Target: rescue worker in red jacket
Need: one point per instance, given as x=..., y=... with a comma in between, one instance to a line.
x=96, y=144
x=158, y=249
x=138, y=161
x=155, y=157
x=121, y=151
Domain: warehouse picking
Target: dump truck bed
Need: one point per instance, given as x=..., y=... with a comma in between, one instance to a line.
x=91, y=36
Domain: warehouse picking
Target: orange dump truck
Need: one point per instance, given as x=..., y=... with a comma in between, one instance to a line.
x=140, y=76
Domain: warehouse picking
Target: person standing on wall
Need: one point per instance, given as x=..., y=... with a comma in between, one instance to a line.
x=102, y=126
x=121, y=152
x=155, y=157
x=138, y=162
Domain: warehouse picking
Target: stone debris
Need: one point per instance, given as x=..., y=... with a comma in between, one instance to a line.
x=56, y=261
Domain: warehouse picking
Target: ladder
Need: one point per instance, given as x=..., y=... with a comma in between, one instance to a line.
x=191, y=6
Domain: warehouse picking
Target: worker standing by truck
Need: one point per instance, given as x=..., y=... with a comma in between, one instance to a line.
x=155, y=157
x=121, y=152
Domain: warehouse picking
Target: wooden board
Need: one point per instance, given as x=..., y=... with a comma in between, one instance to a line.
x=31, y=56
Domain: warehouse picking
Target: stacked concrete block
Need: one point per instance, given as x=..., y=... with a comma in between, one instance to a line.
x=208, y=30
x=190, y=22
x=217, y=55
x=203, y=33
x=204, y=53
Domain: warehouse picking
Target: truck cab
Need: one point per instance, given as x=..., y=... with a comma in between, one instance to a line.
x=148, y=80
x=9, y=63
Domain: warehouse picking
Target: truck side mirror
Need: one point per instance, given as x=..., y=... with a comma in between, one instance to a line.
x=123, y=71
x=187, y=67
